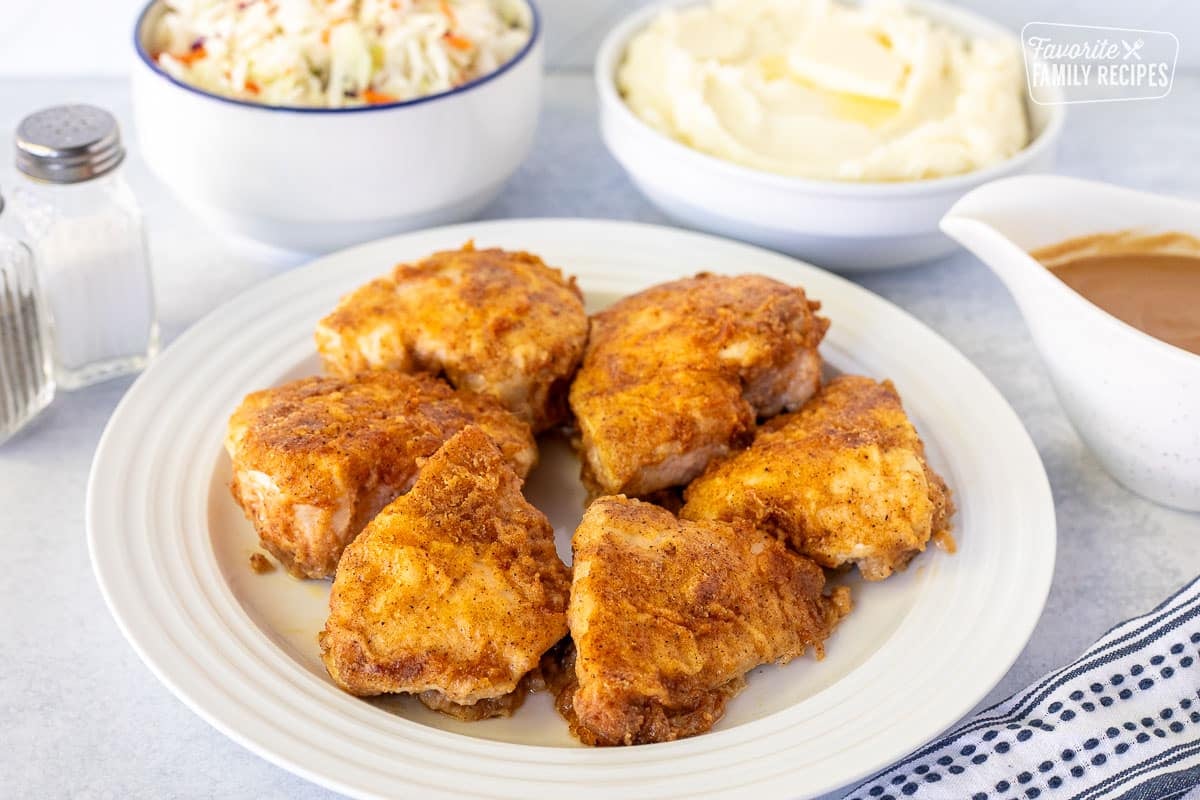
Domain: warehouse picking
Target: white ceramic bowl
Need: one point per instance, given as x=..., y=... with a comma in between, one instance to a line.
x=312, y=179
x=851, y=227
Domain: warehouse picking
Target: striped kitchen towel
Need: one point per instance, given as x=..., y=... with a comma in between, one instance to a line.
x=1120, y=723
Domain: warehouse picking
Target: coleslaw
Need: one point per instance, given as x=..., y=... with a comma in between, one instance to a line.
x=337, y=53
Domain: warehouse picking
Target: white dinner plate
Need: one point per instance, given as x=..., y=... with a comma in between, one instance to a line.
x=170, y=550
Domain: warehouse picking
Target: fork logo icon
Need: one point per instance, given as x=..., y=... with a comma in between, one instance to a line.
x=1132, y=49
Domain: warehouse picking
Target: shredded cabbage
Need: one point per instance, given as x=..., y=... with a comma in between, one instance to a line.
x=336, y=53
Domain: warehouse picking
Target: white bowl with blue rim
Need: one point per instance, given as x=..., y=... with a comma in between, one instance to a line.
x=319, y=179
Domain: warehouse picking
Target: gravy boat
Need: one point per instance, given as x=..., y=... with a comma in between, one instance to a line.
x=1134, y=399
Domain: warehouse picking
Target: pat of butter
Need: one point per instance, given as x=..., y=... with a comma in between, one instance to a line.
x=848, y=59
x=870, y=111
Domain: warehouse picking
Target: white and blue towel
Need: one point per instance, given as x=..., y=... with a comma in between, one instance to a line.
x=1120, y=723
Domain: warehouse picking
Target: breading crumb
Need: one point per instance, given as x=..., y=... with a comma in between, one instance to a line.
x=261, y=564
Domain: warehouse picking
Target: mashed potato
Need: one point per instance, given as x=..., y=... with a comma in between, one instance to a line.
x=820, y=89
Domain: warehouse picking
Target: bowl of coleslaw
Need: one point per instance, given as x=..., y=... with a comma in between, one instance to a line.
x=310, y=125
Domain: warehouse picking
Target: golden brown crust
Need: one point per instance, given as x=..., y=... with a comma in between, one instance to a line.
x=650, y=719
x=496, y=322
x=668, y=616
x=844, y=480
x=675, y=375
x=455, y=588
x=315, y=459
x=487, y=708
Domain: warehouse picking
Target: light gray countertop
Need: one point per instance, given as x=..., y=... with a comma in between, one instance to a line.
x=85, y=719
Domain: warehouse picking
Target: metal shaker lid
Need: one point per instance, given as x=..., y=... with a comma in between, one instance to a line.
x=68, y=144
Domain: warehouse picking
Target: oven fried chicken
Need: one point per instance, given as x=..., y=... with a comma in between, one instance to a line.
x=315, y=459
x=453, y=592
x=676, y=375
x=668, y=616
x=495, y=322
x=843, y=481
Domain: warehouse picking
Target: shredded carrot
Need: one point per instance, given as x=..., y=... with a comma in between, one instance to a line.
x=458, y=42
x=449, y=13
x=195, y=54
x=377, y=98
x=325, y=34
x=252, y=87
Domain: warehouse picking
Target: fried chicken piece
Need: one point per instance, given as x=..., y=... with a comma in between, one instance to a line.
x=454, y=592
x=495, y=322
x=315, y=459
x=675, y=375
x=843, y=481
x=667, y=617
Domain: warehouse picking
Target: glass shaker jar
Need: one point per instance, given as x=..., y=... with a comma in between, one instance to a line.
x=26, y=368
x=85, y=229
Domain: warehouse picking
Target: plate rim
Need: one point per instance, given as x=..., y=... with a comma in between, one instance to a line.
x=192, y=696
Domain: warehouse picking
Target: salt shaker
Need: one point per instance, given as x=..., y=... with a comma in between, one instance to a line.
x=85, y=229
x=26, y=368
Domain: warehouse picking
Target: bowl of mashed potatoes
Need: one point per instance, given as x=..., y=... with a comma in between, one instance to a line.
x=839, y=132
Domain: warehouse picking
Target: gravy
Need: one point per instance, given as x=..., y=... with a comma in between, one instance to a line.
x=1151, y=282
